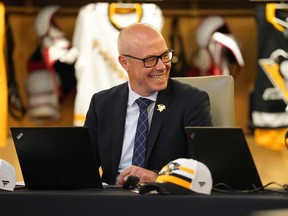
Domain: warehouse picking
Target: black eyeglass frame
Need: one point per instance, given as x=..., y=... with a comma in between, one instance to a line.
x=150, y=57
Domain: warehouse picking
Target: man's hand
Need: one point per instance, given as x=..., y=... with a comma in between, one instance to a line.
x=143, y=174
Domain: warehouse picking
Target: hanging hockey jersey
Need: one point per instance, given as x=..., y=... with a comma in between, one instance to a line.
x=268, y=115
x=3, y=82
x=95, y=37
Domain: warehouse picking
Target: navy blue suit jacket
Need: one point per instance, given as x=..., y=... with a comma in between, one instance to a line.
x=167, y=140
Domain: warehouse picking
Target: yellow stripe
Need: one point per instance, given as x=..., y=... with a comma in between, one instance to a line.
x=3, y=82
x=112, y=11
x=191, y=171
x=80, y=118
x=174, y=180
x=270, y=138
x=270, y=16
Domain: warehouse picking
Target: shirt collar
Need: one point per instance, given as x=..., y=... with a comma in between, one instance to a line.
x=134, y=96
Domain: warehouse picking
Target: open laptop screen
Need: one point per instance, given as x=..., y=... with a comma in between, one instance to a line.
x=226, y=153
x=56, y=157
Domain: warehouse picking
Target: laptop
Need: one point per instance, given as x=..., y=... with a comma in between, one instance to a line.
x=226, y=153
x=56, y=157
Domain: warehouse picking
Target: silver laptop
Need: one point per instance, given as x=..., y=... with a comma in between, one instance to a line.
x=56, y=157
x=226, y=153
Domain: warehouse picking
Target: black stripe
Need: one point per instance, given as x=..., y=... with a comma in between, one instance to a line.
x=181, y=177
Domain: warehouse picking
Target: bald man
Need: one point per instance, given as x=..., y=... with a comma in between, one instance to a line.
x=113, y=114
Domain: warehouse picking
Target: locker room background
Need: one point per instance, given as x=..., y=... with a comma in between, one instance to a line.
x=239, y=16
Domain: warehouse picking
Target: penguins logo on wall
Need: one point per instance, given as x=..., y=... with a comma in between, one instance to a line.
x=276, y=69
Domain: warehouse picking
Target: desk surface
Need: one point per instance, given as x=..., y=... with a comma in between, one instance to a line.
x=122, y=202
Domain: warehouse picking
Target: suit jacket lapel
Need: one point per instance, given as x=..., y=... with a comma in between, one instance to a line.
x=163, y=98
x=119, y=116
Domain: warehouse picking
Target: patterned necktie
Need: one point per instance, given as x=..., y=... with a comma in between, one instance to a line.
x=141, y=133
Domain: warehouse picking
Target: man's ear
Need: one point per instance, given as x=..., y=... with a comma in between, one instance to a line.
x=123, y=61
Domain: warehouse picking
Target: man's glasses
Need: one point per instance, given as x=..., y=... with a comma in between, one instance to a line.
x=153, y=60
